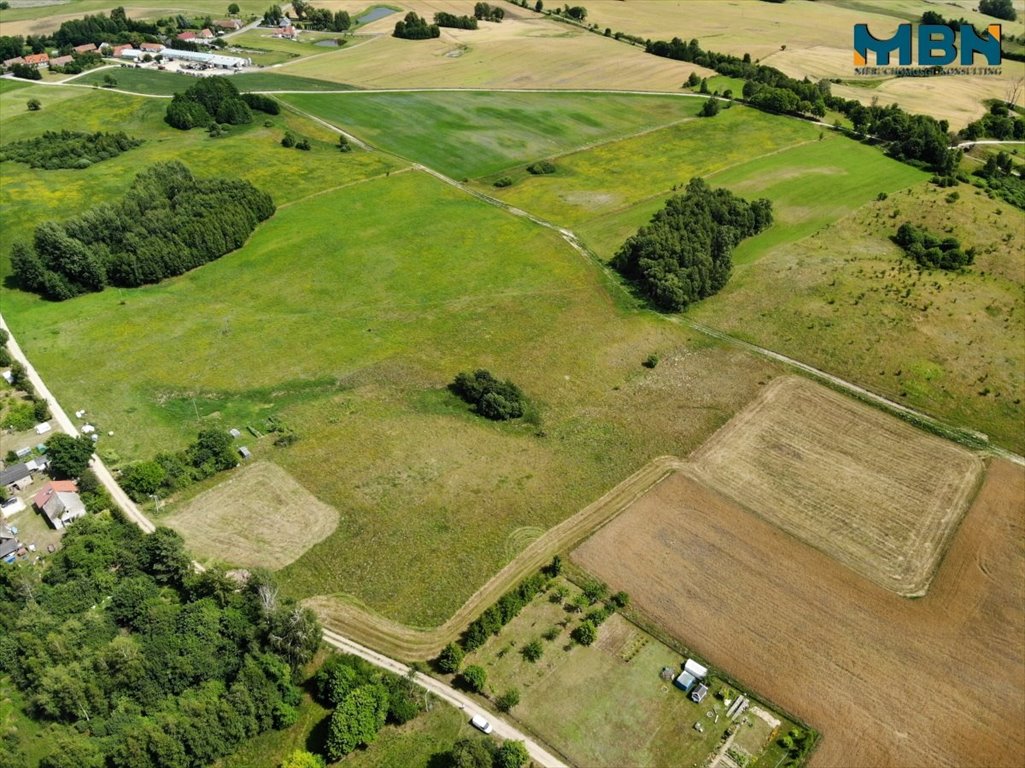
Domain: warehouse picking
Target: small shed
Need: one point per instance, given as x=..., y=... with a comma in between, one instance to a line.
x=22, y=452
x=696, y=669
x=43, y=427
x=244, y=452
x=234, y=432
x=685, y=681
x=699, y=693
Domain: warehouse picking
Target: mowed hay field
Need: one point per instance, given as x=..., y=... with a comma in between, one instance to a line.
x=864, y=487
x=259, y=517
x=848, y=301
x=814, y=40
x=470, y=134
x=937, y=681
x=518, y=53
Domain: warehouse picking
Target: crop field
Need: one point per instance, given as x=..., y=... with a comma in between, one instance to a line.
x=811, y=183
x=259, y=517
x=880, y=676
x=637, y=720
x=871, y=491
x=848, y=301
x=469, y=134
x=560, y=56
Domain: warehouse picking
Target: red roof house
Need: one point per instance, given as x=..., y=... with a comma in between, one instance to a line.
x=186, y=36
x=37, y=59
x=60, y=502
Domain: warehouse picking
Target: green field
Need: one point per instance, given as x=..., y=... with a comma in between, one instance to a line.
x=605, y=704
x=153, y=82
x=469, y=134
x=265, y=50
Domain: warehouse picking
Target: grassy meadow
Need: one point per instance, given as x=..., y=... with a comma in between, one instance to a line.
x=153, y=82
x=470, y=134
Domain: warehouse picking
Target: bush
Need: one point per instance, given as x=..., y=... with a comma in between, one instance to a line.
x=551, y=633
x=491, y=398
x=710, y=108
x=585, y=633
x=512, y=754
x=541, y=168
x=504, y=181
x=931, y=252
x=449, y=659
x=288, y=141
x=508, y=700
x=303, y=144
x=533, y=651
x=650, y=361
x=34, y=105
x=262, y=103
x=343, y=144
x=475, y=678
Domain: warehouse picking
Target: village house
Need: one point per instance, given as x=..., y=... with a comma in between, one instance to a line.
x=37, y=59
x=187, y=35
x=151, y=48
x=87, y=48
x=16, y=477
x=60, y=502
x=60, y=61
x=8, y=63
x=8, y=542
x=229, y=24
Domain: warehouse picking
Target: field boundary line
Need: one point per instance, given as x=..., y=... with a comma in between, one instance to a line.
x=353, y=183
x=341, y=613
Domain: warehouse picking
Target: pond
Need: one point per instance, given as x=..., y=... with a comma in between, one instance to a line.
x=378, y=12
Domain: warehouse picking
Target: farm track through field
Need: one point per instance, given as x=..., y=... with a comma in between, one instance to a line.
x=411, y=643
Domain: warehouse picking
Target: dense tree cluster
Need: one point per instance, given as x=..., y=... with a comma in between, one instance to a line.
x=997, y=176
x=156, y=666
x=541, y=168
x=116, y=27
x=930, y=251
x=67, y=149
x=683, y=254
x=320, y=18
x=68, y=456
x=1000, y=9
x=457, y=22
x=168, y=223
x=212, y=100
x=493, y=399
x=998, y=123
x=488, y=12
x=415, y=27
x=212, y=452
x=481, y=752
x=364, y=698
x=26, y=72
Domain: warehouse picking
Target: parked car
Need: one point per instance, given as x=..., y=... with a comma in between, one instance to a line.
x=481, y=724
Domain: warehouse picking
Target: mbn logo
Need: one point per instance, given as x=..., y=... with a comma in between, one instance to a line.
x=936, y=45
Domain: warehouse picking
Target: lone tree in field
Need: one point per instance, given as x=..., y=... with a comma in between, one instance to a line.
x=491, y=398
x=34, y=105
x=710, y=108
x=585, y=634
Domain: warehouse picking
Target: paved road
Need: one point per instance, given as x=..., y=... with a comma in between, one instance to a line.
x=449, y=694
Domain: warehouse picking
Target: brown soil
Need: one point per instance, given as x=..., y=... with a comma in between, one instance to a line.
x=888, y=681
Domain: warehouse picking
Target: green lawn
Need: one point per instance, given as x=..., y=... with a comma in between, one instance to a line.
x=606, y=704
x=469, y=134
x=153, y=82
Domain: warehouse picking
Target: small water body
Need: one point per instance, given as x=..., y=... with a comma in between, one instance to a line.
x=374, y=14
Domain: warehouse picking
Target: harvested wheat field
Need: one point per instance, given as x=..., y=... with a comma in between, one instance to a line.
x=260, y=516
x=888, y=681
x=864, y=487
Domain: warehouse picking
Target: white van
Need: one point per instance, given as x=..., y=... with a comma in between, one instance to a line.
x=478, y=722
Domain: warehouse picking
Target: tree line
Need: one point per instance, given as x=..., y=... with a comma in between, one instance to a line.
x=488, y=12
x=998, y=123
x=684, y=253
x=929, y=251
x=415, y=27
x=167, y=223
x=213, y=451
x=157, y=666
x=320, y=18
x=443, y=19
x=999, y=179
x=68, y=149
x=916, y=139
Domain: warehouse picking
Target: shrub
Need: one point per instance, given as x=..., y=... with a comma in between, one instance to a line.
x=492, y=399
x=508, y=700
x=34, y=105
x=533, y=651
x=303, y=144
x=288, y=141
x=505, y=181
x=551, y=633
x=710, y=108
x=650, y=361
x=541, y=168
x=449, y=659
x=585, y=633
x=475, y=678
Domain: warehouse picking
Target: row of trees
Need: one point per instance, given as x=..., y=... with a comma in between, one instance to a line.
x=491, y=398
x=456, y=22
x=68, y=149
x=998, y=123
x=213, y=451
x=488, y=12
x=684, y=253
x=320, y=18
x=156, y=666
x=415, y=27
x=930, y=251
x=167, y=223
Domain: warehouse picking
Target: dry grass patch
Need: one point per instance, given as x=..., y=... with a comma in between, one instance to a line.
x=259, y=517
x=878, y=675
x=860, y=485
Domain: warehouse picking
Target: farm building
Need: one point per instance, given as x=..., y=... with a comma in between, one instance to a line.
x=60, y=61
x=696, y=669
x=43, y=427
x=228, y=24
x=60, y=502
x=15, y=477
x=699, y=693
x=131, y=54
x=117, y=50
x=87, y=48
x=37, y=464
x=150, y=48
x=685, y=681
x=37, y=59
x=185, y=36
x=8, y=542
x=210, y=59
x=8, y=63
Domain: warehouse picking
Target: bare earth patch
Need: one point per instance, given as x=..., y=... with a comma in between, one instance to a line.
x=878, y=495
x=259, y=517
x=938, y=681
